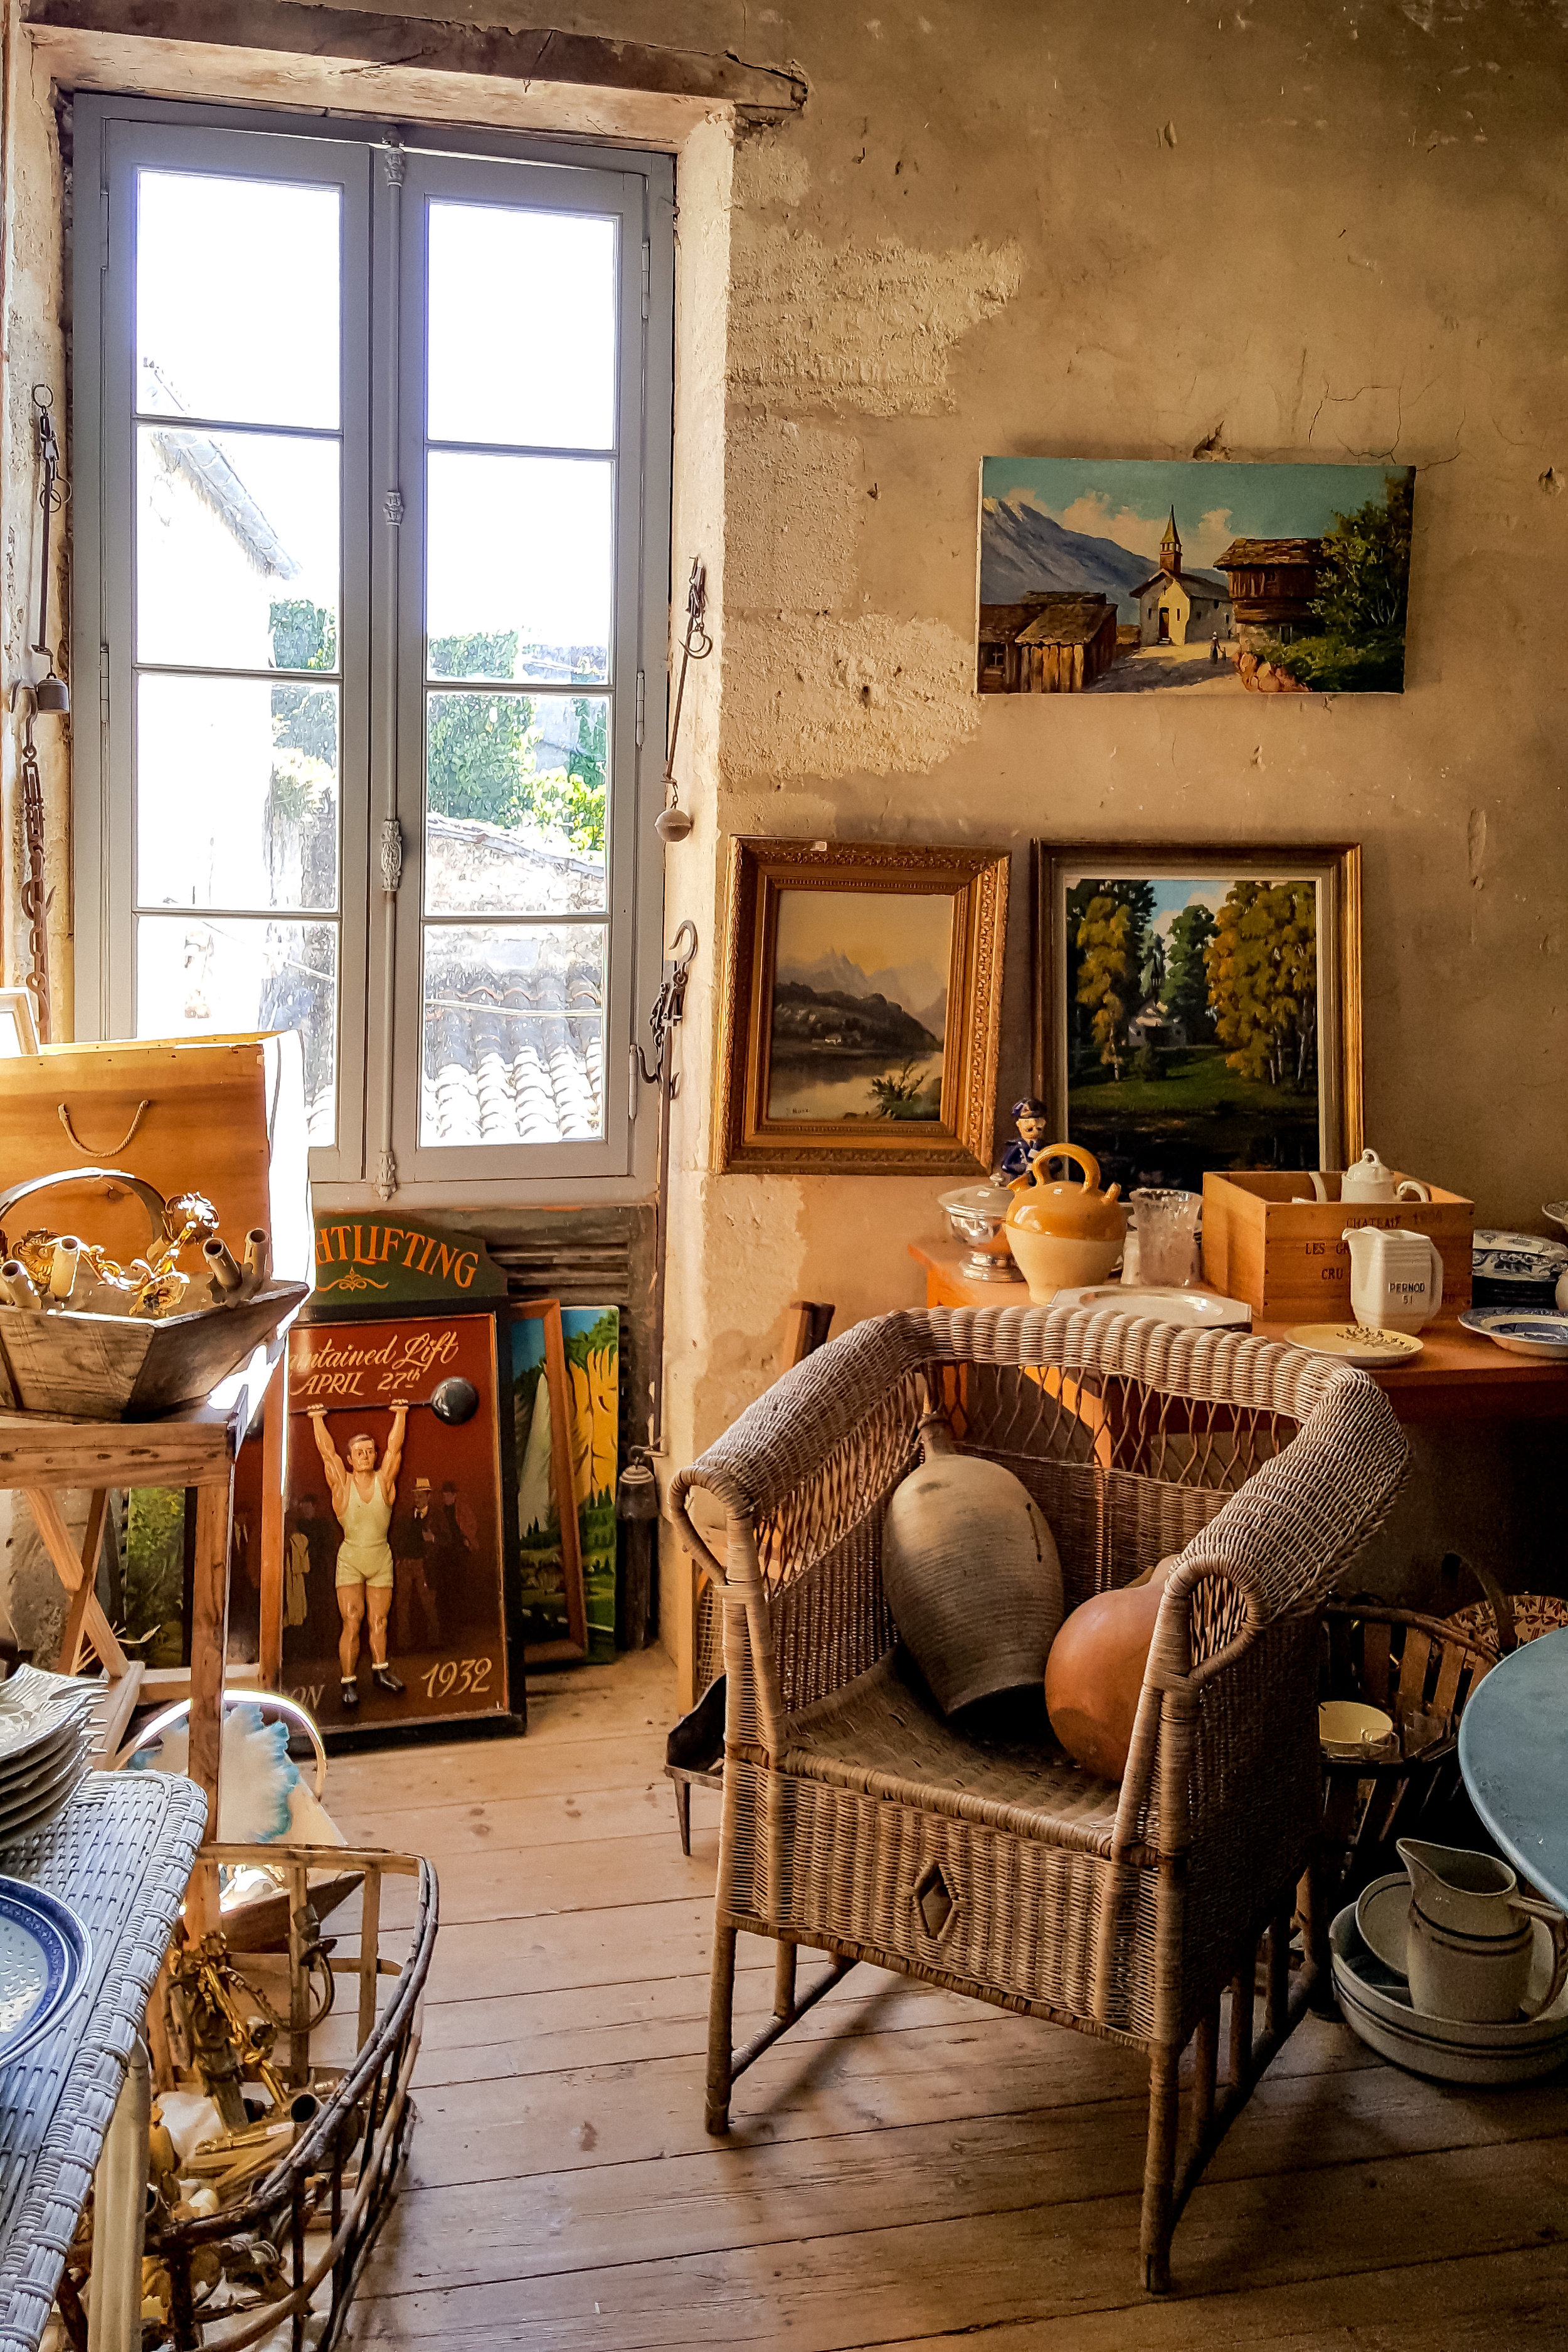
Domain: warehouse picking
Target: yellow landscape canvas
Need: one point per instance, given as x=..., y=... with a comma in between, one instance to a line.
x=859, y=1008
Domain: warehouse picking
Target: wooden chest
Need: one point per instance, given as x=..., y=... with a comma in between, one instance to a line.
x=225, y=1116
x=1285, y=1257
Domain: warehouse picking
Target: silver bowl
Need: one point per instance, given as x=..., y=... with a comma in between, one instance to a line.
x=977, y=1214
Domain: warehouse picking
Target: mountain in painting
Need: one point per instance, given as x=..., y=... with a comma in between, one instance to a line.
x=1022, y=550
x=833, y=1024
x=838, y=975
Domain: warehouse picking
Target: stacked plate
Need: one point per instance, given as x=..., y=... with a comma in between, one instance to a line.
x=1515, y=1270
x=46, y=1748
x=45, y=1955
x=1375, y=1998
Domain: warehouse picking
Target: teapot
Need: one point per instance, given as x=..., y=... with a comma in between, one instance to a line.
x=1470, y=1938
x=1064, y=1235
x=1367, y=1179
x=1397, y=1278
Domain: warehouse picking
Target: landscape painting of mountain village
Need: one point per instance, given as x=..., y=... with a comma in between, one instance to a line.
x=1123, y=576
x=1191, y=1007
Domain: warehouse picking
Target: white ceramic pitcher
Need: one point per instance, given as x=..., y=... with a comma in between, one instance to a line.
x=1471, y=1935
x=1397, y=1278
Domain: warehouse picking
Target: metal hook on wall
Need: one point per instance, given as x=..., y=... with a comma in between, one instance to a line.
x=673, y=822
x=35, y=894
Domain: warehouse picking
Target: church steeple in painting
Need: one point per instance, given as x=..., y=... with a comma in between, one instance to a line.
x=1171, y=549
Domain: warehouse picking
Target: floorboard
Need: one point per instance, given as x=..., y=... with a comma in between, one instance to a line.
x=907, y=2170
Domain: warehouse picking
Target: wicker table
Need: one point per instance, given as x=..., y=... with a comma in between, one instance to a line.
x=1513, y=1753
x=120, y=1854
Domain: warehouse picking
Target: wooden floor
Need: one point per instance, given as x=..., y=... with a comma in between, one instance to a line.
x=906, y=2169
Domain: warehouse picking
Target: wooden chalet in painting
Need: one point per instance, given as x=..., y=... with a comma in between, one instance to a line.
x=1047, y=643
x=1272, y=584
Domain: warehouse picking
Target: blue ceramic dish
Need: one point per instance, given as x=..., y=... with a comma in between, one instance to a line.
x=44, y=1957
x=1522, y=1331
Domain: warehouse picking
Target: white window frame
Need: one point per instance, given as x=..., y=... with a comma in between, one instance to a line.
x=387, y=173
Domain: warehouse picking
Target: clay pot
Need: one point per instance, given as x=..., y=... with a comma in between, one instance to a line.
x=971, y=1572
x=1095, y=1672
x=1064, y=1236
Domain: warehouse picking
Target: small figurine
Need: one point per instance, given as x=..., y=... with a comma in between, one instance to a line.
x=1031, y=1119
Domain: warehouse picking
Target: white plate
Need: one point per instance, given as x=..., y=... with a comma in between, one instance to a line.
x=45, y=1955
x=1540, y=1331
x=1355, y=1343
x=42, y=1802
x=1442, y=2048
x=1499, y=1256
x=16, y=1833
x=1162, y=1303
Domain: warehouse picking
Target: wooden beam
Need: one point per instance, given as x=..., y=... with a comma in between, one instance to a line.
x=75, y=1615
x=371, y=41
x=38, y=1450
x=209, y=1638
x=274, y=1476
x=57, y=1540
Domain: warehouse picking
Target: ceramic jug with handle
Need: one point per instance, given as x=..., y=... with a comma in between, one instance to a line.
x=1064, y=1235
x=1397, y=1278
x=1367, y=1179
x=1471, y=1935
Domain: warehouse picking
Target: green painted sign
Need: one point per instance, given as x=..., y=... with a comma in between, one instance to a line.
x=370, y=1261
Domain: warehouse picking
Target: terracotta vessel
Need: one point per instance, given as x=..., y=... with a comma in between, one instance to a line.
x=1064, y=1234
x=971, y=1572
x=1095, y=1672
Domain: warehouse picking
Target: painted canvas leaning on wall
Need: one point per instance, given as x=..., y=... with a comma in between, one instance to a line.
x=593, y=1342
x=1126, y=576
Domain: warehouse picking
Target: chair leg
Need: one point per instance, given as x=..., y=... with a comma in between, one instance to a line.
x=683, y=1812
x=1159, y=2169
x=1315, y=1900
x=720, y=2033
x=784, y=1959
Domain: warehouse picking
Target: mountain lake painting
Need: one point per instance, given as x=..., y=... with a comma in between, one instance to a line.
x=1126, y=576
x=1192, y=1022
x=859, y=1007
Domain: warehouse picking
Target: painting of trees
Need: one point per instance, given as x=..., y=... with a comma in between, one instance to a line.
x=1108, y=940
x=1262, y=969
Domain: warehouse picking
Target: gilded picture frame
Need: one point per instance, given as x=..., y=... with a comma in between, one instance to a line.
x=1176, y=1050
x=861, y=1005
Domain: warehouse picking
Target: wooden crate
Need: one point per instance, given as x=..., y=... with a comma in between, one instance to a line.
x=1286, y=1259
x=225, y=1116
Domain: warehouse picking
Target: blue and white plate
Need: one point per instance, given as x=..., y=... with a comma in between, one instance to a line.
x=45, y=1955
x=1523, y=1331
x=1498, y=1257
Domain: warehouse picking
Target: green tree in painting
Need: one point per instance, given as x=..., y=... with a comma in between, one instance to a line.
x=1359, y=609
x=1084, y=1042
x=1108, y=940
x=1151, y=967
x=1262, y=966
x=1186, y=975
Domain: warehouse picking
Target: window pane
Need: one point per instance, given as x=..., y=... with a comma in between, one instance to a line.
x=520, y=554
x=522, y=327
x=237, y=299
x=513, y=1033
x=195, y=975
x=236, y=794
x=237, y=549
x=515, y=803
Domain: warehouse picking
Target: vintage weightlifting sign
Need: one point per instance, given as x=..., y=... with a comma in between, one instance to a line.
x=366, y=1262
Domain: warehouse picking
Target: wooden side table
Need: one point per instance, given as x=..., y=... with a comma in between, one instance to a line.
x=1458, y=1376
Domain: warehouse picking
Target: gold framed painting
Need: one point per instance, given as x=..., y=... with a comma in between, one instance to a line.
x=1198, y=1006
x=862, y=1000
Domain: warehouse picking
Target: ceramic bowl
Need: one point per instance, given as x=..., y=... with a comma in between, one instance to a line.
x=1499, y=1256
x=1557, y=1213
x=1348, y=1728
x=1162, y=1303
x=1375, y=2001
x=1537, y=1331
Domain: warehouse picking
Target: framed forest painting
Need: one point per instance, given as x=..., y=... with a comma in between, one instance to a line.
x=862, y=994
x=1199, y=1007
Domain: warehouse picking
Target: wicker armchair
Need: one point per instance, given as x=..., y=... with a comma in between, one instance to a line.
x=858, y=1821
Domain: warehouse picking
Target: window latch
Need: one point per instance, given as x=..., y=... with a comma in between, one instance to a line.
x=391, y=856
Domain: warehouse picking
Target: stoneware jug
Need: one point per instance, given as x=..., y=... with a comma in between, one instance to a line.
x=1471, y=1937
x=971, y=1572
x=1095, y=1672
x=1397, y=1278
x=1367, y=1179
x=1064, y=1235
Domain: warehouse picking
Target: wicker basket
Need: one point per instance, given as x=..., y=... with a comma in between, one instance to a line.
x=1503, y=1620
x=1421, y=1671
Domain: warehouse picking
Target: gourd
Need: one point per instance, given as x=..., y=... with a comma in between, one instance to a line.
x=971, y=1572
x=1095, y=1672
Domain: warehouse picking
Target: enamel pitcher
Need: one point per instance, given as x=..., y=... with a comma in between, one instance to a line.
x=1471, y=1935
x=1397, y=1278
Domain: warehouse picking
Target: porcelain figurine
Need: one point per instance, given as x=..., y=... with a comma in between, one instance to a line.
x=1064, y=1234
x=1471, y=1935
x=1397, y=1278
x=1368, y=1179
x=1030, y=1117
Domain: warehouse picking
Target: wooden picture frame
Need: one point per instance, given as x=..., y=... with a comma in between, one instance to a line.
x=1151, y=1138
x=18, y=1025
x=837, y=1075
x=573, y=1646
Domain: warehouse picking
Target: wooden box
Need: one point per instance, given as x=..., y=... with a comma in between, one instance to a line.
x=1284, y=1255
x=225, y=1116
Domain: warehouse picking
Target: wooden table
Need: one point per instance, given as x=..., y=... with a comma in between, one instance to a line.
x=1458, y=1376
x=40, y=1457
x=1513, y=1753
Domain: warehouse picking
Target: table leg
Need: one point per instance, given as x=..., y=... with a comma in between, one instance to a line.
x=119, y=2205
x=50, y=1520
x=92, y=1545
x=209, y=1642
x=274, y=1472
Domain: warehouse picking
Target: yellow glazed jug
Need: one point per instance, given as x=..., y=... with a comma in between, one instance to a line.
x=1065, y=1234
